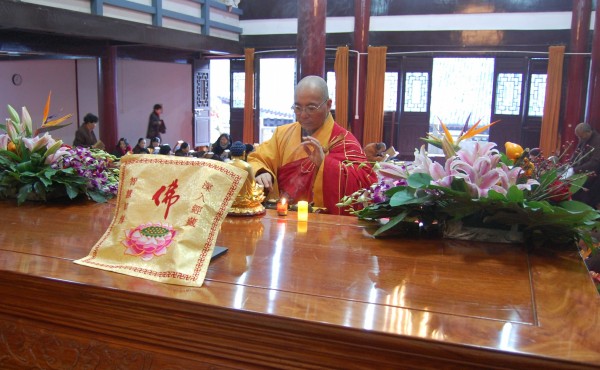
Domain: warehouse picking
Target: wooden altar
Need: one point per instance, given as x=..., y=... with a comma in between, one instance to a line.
x=323, y=294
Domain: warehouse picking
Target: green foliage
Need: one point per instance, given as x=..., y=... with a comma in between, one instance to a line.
x=543, y=222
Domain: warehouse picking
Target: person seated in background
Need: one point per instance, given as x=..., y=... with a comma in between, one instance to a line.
x=220, y=146
x=154, y=145
x=165, y=149
x=375, y=152
x=140, y=147
x=85, y=136
x=184, y=150
x=122, y=148
x=313, y=159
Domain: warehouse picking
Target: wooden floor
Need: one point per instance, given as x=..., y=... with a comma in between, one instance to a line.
x=322, y=294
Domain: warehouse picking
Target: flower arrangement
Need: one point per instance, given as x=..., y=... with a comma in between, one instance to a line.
x=39, y=167
x=519, y=191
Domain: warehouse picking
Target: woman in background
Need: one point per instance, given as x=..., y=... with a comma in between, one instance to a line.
x=140, y=147
x=222, y=144
x=154, y=145
x=184, y=150
x=122, y=148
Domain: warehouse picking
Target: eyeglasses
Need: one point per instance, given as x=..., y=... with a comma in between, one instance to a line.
x=309, y=109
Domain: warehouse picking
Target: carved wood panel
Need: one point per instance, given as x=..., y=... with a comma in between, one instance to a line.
x=24, y=346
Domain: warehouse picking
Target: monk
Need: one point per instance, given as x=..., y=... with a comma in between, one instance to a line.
x=314, y=159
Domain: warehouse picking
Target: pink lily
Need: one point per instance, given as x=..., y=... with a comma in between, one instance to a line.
x=4, y=139
x=36, y=143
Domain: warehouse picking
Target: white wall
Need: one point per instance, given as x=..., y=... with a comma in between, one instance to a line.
x=143, y=84
x=39, y=78
x=87, y=88
x=74, y=86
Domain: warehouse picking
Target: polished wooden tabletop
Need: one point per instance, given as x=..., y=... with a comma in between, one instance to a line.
x=470, y=303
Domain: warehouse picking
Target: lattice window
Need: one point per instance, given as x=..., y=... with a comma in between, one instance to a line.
x=390, y=92
x=508, y=93
x=202, y=98
x=239, y=89
x=415, y=98
x=537, y=94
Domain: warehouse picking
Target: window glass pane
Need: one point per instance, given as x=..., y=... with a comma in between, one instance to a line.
x=277, y=81
x=461, y=89
x=415, y=95
x=390, y=92
x=239, y=89
x=331, y=87
x=508, y=93
x=537, y=94
x=219, y=98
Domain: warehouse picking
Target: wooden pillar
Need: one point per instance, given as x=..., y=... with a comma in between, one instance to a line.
x=107, y=94
x=592, y=115
x=575, y=95
x=311, y=38
x=362, y=13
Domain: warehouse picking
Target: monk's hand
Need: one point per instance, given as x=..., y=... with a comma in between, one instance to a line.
x=313, y=149
x=266, y=180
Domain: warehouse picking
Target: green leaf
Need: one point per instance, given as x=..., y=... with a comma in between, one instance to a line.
x=576, y=183
x=23, y=192
x=494, y=195
x=576, y=206
x=97, y=196
x=72, y=191
x=25, y=167
x=391, y=223
x=459, y=185
x=419, y=180
x=404, y=196
x=9, y=154
x=515, y=194
x=535, y=205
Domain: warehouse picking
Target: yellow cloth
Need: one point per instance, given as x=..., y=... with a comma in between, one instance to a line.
x=169, y=213
x=281, y=149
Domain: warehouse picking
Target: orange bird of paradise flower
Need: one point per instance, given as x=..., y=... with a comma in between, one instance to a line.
x=50, y=123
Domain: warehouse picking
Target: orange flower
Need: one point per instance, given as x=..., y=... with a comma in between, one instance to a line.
x=11, y=147
x=513, y=151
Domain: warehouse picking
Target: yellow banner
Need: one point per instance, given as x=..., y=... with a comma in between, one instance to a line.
x=169, y=212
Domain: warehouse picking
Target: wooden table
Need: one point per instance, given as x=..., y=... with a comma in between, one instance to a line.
x=285, y=296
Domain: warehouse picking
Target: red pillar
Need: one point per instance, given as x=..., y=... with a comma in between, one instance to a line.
x=362, y=14
x=107, y=86
x=575, y=95
x=311, y=38
x=592, y=115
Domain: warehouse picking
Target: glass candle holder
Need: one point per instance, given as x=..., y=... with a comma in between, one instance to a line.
x=282, y=207
x=302, y=210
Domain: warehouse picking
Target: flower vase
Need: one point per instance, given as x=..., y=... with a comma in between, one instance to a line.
x=457, y=229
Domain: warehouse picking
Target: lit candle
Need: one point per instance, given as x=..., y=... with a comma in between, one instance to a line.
x=282, y=207
x=302, y=210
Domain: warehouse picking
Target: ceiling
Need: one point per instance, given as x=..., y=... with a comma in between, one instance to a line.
x=29, y=31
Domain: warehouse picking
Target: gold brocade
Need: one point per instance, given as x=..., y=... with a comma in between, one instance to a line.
x=169, y=212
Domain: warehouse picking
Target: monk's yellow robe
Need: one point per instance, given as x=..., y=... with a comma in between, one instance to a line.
x=297, y=178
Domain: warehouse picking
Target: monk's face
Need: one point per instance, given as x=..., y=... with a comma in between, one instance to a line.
x=311, y=108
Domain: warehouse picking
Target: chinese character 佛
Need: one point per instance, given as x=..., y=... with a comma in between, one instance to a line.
x=169, y=196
